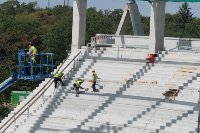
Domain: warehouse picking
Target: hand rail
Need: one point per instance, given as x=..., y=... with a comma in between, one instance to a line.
x=14, y=117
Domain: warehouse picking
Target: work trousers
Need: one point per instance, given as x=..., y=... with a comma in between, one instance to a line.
x=56, y=81
x=76, y=88
x=94, y=85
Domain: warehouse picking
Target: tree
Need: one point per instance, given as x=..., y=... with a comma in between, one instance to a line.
x=9, y=7
x=58, y=39
x=146, y=24
x=192, y=29
x=115, y=17
x=184, y=15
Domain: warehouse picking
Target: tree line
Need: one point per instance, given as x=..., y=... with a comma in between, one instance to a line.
x=51, y=31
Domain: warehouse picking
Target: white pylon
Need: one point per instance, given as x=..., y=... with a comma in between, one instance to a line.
x=132, y=11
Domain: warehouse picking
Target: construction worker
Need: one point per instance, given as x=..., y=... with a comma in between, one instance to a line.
x=32, y=52
x=57, y=77
x=94, y=80
x=77, y=85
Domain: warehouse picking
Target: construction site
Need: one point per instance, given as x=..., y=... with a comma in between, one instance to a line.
x=146, y=84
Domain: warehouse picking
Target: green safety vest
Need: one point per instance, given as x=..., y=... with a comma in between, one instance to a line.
x=58, y=75
x=94, y=76
x=34, y=50
x=78, y=83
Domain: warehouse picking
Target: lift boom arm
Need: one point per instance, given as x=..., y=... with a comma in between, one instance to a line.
x=8, y=82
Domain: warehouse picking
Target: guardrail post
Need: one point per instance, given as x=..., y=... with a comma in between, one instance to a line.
x=78, y=61
x=43, y=98
x=74, y=63
x=15, y=118
x=87, y=50
x=28, y=111
x=67, y=75
x=118, y=52
x=198, y=113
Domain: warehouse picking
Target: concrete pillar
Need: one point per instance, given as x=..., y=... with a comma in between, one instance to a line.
x=79, y=24
x=123, y=22
x=131, y=11
x=157, y=24
x=135, y=19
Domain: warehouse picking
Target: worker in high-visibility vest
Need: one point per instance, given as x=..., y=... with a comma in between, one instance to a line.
x=32, y=52
x=57, y=77
x=94, y=80
x=77, y=85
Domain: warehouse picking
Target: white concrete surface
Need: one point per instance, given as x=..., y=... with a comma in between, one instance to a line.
x=118, y=107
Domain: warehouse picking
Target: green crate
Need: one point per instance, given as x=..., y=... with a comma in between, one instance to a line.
x=18, y=96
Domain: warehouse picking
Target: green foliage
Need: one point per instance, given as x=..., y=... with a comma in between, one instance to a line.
x=114, y=18
x=4, y=111
x=13, y=7
x=182, y=24
x=9, y=7
x=97, y=23
x=146, y=24
x=58, y=39
x=192, y=29
x=184, y=15
x=4, y=73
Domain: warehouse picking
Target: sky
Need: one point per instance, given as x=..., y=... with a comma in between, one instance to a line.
x=144, y=7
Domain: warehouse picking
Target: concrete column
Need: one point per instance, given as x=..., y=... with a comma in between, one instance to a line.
x=135, y=19
x=79, y=24
x=157, y=24
x=131, y=11
x=123, y=22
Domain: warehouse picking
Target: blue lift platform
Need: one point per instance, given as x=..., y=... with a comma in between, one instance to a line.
x=29, y=70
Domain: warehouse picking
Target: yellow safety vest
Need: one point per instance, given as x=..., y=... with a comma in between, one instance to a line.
x=94, y=76
x=78, y=83
x=58, y=75
x=34, y=50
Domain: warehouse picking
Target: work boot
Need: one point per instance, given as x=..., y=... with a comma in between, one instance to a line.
x=96, y=90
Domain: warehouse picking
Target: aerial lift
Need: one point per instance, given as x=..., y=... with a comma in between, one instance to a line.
x=30, y=71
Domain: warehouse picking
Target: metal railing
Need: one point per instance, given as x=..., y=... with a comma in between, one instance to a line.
x=109, y=40
x=185, y=49
x=185, y=46
x=41, y=92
